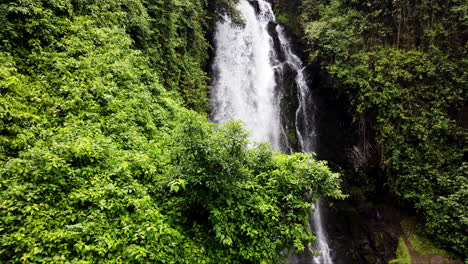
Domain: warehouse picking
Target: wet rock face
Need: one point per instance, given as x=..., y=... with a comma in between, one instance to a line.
x=288, y=103
x=255, y=5
x=358, y=238
x=336, y=132
x=280, y=56
x=286, y=92
x=357, y=228
x=287, y=88
x=357, y=232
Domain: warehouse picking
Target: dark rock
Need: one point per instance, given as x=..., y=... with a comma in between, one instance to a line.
x=286, y=92
x=288, y=100
x=255, y=5
x=279, y=54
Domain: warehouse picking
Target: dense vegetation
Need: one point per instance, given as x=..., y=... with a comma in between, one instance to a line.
x=403, y=66
x=170, y=34
x=100, y=162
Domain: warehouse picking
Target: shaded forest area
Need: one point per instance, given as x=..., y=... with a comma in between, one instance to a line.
x=402, y=67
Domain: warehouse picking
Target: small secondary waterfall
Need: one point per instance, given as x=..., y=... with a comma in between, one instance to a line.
x=322, y=244
x=307, y=136
x=246, y=70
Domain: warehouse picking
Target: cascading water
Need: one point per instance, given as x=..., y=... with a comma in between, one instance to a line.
x=307, y=136
x=244, y=82
x=245, y=88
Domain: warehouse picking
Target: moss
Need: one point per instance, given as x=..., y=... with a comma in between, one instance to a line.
x=283, y=19
x=292, y=137
x=420, y=243
x=402, y=253
x=286, y=14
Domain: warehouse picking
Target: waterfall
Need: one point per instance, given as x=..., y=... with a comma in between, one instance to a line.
x=244, y=82
x=322, y=244
x=246, y=69
x=307, y=136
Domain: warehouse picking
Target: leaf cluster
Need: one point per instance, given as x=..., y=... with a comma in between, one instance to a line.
x=170, y=33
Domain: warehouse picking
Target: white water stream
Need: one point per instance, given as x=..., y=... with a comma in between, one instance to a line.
x=244, y=80
x=244, y=88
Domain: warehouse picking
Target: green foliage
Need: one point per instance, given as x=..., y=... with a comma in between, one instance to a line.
x=170, y=33
x=78, y=146
x=402, y=64
x=256, y=201
x=420, y=243
x=287, y=13
x=402, y=253
x=283, y=19
x=99, y=163
x=173, y=39
x=226, y=8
